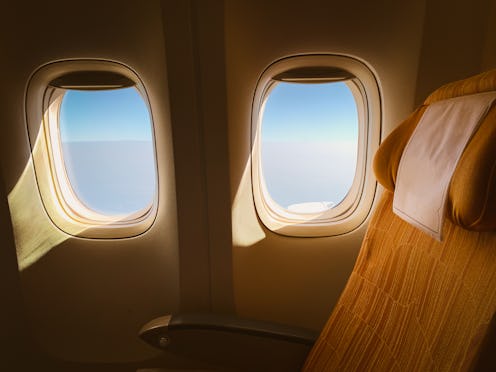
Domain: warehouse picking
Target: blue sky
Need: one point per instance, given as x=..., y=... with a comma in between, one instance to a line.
x=309, y=145
x=312, y=112
x=106, y=115
x=309, y=142
x=108, y=151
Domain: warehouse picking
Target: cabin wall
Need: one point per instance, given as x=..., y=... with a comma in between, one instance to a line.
x=413, y=47
x=14, y=331
x=85, y=300
x=458, y=41
x=298, y=280
x=194, y=36
x=489, y=52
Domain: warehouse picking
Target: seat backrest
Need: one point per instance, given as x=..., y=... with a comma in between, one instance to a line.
x=413, y=303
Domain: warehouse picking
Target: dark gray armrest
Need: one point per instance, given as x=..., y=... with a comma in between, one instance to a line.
x=229, y=343
x=159, y=332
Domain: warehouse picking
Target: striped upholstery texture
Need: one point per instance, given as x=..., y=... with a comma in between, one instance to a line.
x=413, y=303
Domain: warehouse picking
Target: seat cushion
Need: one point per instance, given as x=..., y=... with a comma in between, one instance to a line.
x=472, y=193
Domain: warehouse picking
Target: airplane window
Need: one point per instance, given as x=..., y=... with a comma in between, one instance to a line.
x=309, y=139
x=107, y=147
x=316, y=124
x=91, y=132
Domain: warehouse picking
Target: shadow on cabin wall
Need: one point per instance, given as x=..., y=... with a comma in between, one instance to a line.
x=459, y=41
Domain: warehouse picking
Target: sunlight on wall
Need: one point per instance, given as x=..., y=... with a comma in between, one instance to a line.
x=245, y=229
x=34, y=233
x=38, y=206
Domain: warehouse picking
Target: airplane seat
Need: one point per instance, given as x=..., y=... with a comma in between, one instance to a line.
x=416, y=300
x=412, y=302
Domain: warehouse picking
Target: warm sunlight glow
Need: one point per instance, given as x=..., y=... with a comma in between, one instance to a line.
x=315, y=126
x=246, y=230
x=93, y=170
x=34, y=233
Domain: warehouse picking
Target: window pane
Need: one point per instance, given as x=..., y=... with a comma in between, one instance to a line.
x=309, y=145
x=108, y=152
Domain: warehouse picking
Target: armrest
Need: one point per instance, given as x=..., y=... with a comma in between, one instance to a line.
x=159, y=331
x=226, y=342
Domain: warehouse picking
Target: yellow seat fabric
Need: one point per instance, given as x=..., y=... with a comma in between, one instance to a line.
x=413, y=303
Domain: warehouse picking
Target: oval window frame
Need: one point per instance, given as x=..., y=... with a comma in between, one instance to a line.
x=45, y=91
x=352, y=211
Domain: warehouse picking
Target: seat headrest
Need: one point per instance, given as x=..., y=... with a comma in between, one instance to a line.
x=472, y=192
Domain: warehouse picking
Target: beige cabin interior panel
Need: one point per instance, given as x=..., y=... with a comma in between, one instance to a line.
x=86, y=299
x=298, y=280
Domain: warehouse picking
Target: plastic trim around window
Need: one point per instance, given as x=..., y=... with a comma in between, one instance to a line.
x=353, y=210
x=45, y=92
